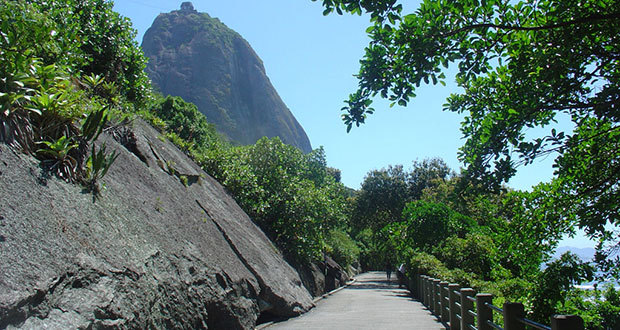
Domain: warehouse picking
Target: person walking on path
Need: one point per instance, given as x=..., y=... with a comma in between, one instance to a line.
x=401, y=275
x=388, y=270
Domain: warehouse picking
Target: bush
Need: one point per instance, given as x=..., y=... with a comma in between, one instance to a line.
x=600, y=309
x=289, y=194
x=86, y=36
x=184, y=119
x=475, y=253
x=342, y=248
x=429, y=223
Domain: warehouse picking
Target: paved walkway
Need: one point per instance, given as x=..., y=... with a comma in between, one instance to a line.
x=369, y=303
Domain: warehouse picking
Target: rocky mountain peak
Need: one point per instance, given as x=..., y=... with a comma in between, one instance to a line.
x=200, y=59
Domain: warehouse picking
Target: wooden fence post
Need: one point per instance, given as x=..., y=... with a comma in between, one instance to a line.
x=424, y=291
x=566, y=322
x=421, y=286
x=467, y=305
x=414, y=286
x=454, y=298
x=427, y=293
x=512, y=312
x=437, y=300
x=485, y=313
x=431, y=295
x=443, y=289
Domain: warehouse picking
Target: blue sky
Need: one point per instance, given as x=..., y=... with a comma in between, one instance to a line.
x=310, y=59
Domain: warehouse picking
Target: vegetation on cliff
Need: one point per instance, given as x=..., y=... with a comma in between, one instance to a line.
x=73, y=69
x=68, y=67
x=292, y=196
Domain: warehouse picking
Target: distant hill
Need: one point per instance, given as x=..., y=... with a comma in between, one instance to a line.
x=200, y=59
x=586, y=254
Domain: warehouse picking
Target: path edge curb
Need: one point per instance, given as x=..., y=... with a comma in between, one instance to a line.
x=314, y=301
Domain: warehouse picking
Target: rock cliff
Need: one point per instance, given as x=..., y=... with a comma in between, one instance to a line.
x=151, y=252
x=200, y=59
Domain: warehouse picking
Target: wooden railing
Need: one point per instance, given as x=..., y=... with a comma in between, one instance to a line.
x=463, y=308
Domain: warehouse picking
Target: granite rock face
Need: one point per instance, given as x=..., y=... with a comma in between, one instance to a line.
x=200, y=59
x=322, y=276
x=151, y=252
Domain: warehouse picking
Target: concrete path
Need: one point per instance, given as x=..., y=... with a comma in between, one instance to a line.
x=369, y=303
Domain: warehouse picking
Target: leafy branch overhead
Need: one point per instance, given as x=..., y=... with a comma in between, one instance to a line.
x=550, y=64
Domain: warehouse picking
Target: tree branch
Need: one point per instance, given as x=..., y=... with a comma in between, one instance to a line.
x=582, y=20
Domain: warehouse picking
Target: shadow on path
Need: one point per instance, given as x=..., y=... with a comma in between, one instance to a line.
x=372, y=285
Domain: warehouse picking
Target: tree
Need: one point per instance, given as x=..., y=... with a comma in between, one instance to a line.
x=381, y=199
x=430, y=223
x=426, y=174
x=522, y=65
x=521, y=224
x=555, y=282
x=385, y=192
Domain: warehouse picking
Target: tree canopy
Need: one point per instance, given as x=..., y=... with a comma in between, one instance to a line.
x=522, y=65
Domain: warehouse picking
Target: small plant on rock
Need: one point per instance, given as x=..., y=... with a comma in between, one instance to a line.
x=97, y=166
x=57, y=156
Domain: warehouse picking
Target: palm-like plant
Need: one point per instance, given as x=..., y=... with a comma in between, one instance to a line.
x=57, y=156
x=97, y=166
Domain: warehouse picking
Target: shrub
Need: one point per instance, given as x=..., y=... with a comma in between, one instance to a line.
x=183, y=119
x=342, y=248
x=475, y=253
x=429, y=223
x=600, y=309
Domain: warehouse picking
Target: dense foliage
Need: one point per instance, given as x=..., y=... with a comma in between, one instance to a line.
x=289, y=194
x=385, y=192
x=67, y=68
x=494, y=242
x=521, y=64
x=85, y=37
x=183, y=122
x=382, y=198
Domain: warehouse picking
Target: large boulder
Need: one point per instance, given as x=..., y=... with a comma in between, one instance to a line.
x=336, y=275
x=197, y=57
x=164, y=246
x=322, y=277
